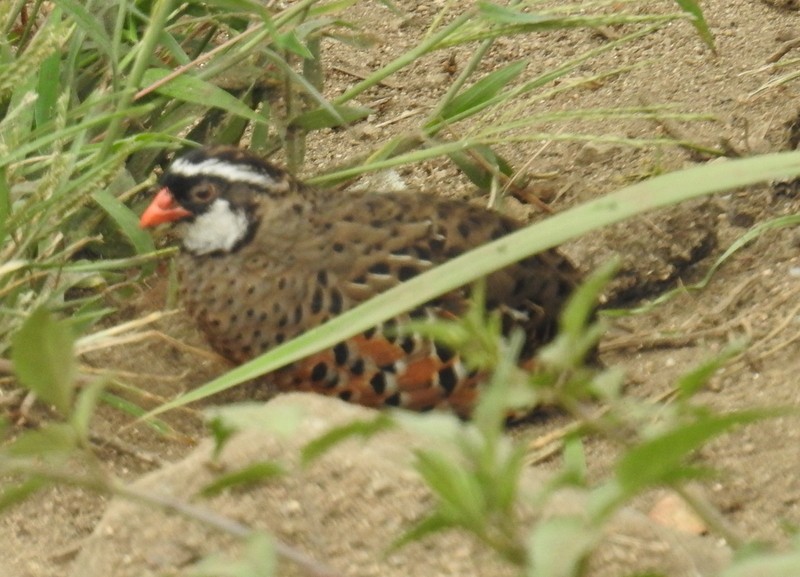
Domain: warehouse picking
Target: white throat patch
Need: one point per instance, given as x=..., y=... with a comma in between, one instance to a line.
x=219, y=228
x=223, y=170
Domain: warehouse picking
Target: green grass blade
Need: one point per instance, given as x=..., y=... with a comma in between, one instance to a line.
x=192, y=89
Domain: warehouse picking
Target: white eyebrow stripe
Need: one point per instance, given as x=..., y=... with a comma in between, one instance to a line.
x=221, y=169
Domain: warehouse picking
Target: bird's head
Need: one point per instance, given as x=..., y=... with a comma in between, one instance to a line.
x=215, y=191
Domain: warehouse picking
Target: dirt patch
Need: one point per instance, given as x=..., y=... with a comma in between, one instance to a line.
x=756, y=293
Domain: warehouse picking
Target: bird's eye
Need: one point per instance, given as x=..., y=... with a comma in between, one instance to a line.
x=203, y=193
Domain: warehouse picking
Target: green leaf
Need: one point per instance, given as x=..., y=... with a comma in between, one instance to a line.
x=691, y=382
x=259, y=559
x=290, y=41
x=476, y=169
x=47, y=89
x=282, y=421
x=698, y=21
x=130, y=408
x=430, y=524
x=44, y=360
x=559, y=546
x=483, y=90
x=656, y=461
x=503, y=15
x=253, y=474
x=324, y=118
x=192, y=89
x=85, y=405
x=461, y=498
x=772, y=565
x=56, y=440
x=126, y=220
x=14, y=494
x=5, y=203
x=336, y=435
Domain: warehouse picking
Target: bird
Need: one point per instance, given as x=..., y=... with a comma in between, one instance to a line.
x=266, y=257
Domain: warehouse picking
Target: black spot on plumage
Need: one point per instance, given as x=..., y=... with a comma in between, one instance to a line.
x=357, y=368
x=448, y=379
x=322, y=278
x=464, y=229
x=418, y=314
x=423, y=253
x=369, y=333
x=444, y=353
x=436, y=244
x=332, y=381
x=298, y=314
x=250, y=313
x=281, y=283
x=519, y=286
x=378, y=383
x=336, y=303
x=319, y=372
x=340, y=353
x=407, y=344
x=338, y=247
x=279, y=338
x=284, y=320
x=390, y=368
x=406, y=272
x=317, y=300
x=392, y=400
x=360, y=279
x=379, y=268
x=345, y=395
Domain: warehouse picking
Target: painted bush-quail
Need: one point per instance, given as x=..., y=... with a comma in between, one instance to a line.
x=266, y=258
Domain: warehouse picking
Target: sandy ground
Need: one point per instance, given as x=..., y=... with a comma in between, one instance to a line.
x=756, y=293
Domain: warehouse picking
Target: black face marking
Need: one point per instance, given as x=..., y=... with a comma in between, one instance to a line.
x=392, y=400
